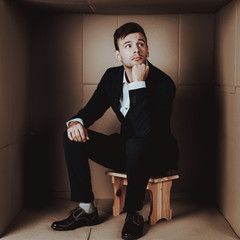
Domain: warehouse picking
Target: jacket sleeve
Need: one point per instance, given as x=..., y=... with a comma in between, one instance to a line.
x=97, y=105
x=150, y=109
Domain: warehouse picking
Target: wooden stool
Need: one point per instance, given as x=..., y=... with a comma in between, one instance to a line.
x=159, y=195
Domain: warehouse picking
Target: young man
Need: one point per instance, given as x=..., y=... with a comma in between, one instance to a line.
x=141, y=97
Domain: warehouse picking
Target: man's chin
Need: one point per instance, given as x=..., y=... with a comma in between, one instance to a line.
x=139, y=62
x=133, y=63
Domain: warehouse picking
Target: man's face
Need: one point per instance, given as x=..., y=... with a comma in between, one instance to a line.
x=133, y=50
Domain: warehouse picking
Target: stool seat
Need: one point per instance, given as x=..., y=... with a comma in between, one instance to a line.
x=159, y=188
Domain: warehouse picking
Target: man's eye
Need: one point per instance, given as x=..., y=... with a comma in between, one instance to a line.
x=128, y=46
x=140, y=44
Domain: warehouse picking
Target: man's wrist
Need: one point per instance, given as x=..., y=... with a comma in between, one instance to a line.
x=74, y=120
x=136, y=85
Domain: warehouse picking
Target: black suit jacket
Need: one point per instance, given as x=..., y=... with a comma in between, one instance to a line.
x=149, y=113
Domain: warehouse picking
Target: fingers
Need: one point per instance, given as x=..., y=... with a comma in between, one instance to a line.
x=78, y=133
x=140, y=72
x=69, y=135
x=86, y=133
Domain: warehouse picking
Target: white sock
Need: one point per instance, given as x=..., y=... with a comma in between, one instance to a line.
x=87, y=207
x=139, y=212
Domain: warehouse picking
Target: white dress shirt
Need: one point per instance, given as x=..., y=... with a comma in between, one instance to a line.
x=124, y=99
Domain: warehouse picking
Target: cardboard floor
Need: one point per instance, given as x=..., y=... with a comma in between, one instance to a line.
x=191, y=221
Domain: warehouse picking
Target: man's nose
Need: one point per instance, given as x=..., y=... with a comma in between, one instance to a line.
x=136, y=49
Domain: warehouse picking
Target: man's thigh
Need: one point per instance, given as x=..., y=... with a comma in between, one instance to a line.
x=108, y=151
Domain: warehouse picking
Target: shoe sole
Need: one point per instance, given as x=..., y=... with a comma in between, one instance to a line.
x=95, y=222
x=135, y=237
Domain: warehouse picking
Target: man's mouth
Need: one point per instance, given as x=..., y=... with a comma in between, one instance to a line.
x=137, y=58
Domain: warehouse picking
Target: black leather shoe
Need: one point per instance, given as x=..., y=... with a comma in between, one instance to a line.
x=77, y=218
x=133, y=226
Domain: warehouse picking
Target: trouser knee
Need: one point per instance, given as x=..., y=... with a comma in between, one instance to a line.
x=73, y=150
x=65, y=137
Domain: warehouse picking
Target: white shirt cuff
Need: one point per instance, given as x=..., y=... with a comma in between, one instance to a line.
x=136, y=85
x=76, y=120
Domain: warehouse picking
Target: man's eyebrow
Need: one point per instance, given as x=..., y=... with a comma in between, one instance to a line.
x=126, y=42
x=140, y=39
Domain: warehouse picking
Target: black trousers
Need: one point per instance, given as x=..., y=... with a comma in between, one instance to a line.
x=129, y=155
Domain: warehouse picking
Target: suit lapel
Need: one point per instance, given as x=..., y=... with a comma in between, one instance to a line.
x=117, y=91
x=147, y=80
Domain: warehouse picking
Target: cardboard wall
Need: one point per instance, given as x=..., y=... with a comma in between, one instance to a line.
x=70, y=53
x=227, y=97
x=14, y=109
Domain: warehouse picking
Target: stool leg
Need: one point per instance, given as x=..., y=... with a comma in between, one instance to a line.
x=166, y=210
x=160, y=201
x=155, y=202
x=122, y=197
x=119, y=195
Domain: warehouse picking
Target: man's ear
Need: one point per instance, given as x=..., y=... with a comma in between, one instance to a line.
x=147, y=51
x=117, y=54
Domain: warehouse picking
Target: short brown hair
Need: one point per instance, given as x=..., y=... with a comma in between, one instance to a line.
x=126, y=29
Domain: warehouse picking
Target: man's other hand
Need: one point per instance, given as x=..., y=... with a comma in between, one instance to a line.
x=139, y=72
x=77, y=132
